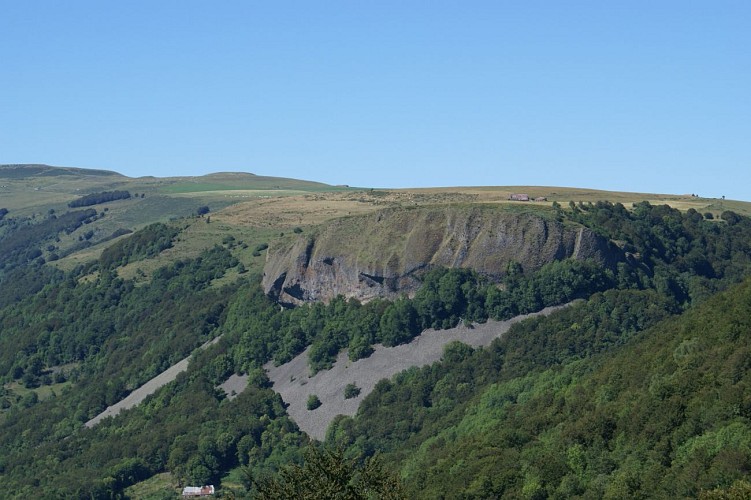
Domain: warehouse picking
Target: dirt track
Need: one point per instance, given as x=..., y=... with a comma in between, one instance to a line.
x=293, y=383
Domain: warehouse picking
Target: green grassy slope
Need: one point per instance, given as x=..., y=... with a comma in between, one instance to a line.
x=36, y=188
x=33, y=194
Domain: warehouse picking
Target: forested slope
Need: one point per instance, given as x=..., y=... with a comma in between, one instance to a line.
x=638, y=389
x=581, y=404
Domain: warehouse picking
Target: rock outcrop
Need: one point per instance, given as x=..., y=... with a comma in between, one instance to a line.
x=382, y=254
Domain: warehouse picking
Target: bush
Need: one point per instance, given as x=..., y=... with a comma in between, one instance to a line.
x=313, y=402
x=351, y=391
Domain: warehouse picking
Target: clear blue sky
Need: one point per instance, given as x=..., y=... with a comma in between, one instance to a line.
x=650, y=96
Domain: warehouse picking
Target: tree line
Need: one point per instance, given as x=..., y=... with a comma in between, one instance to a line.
x=98, y=198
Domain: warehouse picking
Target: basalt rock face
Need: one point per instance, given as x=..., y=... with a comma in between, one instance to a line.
x=383, y=254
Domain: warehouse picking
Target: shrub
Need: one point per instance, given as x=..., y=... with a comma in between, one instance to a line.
x=351, y=391
x=313, y=402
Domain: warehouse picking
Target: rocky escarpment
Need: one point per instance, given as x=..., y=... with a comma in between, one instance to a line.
x=382, y=254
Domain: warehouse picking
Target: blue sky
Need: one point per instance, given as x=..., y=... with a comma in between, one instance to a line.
x=650, y=96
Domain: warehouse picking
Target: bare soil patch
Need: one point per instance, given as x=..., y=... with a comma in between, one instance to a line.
x=234, y=385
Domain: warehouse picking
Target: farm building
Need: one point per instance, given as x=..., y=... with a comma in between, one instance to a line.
x=198, y=491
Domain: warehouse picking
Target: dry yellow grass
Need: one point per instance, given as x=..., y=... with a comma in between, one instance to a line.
x=293, y=211
x=311, y=209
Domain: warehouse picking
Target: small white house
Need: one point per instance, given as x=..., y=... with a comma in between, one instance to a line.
x=198, y=491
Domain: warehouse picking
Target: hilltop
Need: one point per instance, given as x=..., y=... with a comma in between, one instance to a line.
x=256, y=208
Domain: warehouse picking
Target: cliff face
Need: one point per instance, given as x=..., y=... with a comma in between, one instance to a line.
x=382, y=254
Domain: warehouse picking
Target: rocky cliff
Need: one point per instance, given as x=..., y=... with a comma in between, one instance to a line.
x=382, y=254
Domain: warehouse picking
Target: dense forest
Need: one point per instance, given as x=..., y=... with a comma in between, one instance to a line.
x=638, y=389
x=585, y=403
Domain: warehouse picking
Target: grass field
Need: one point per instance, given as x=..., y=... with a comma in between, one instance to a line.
x=37, y=192
x=312, y=209
x=158, y=487
x=43, y=392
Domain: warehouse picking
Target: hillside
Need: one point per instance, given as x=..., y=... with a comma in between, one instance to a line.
x=635, y=390
x=251, y=206
x=35, y=194
x=665, y=415
x=294, y=383
x=383, y=254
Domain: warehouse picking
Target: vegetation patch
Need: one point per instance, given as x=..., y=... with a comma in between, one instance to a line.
x=146, y=243
x=313, y=402
x=99, y=198
x=351, y=391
